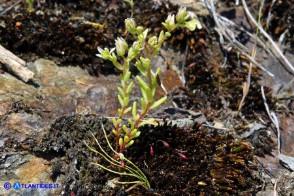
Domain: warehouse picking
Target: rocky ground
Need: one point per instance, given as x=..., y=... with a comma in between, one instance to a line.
x=212, y=149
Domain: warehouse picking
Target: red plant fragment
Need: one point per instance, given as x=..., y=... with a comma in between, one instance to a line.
x=151, y=151
x=181, y=155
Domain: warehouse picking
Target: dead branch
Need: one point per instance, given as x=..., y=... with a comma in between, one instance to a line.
x=225, y=32
x=280, y=54
x=15, y=64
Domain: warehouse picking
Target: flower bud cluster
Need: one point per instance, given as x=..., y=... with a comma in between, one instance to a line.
x=181, y=21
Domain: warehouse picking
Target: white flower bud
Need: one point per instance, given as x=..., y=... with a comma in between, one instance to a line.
x=169, y=23
x=121, y=46
x=137, y=46
x=145, y=62
x=152, y=41
x=130, y=25
x=134, y=50
x=181, y=16
x=104, y=54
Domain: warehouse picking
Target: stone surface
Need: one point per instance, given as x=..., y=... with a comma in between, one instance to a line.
x=28, y=110
x=287, y=135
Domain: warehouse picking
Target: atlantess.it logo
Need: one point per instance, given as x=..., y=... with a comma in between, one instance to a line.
x=17, y=186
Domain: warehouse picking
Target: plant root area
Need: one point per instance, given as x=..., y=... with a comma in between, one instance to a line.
x=196, y=160
x=176, y=161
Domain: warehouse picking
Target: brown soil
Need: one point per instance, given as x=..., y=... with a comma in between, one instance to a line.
x=210, y=163
x=64, y=30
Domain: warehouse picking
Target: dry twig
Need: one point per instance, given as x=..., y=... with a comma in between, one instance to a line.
x=225, y=32
x=10, y=7
x=273, y=118
x=246, y=85
x=15, y=64
x=284, y=60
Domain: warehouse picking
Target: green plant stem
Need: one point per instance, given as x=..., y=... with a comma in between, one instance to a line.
x=149, y=78
x=151, y=54
x=148, y=82
x=124, y=87
x=137, y=122
x=142, y=115
x=148, y=105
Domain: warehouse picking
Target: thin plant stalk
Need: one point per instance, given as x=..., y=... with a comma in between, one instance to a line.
x=133, y=172
x=246, y=85
x=275, y=46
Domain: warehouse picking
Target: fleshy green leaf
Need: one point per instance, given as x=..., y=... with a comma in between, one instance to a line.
x=143, y=104
x=130, y=143
x=141, y=82
x=113, y=57
x=131, y=2
x=154, y=81
x=130, y=86
x=158, y=102
x=154, y=86
x=117, y=65
x=150, y=121
x=142, y=36
x=144, y=94
x=140, y=68
x=131, y=123
x=134, y=132
x=127, y=76
x=191, y=25
x=138, y=133
x=142, y=123
x=119, y=112
x=114, y=122
x=126, y=139
x=114, y=132
x=156, y=51
x=128, y=109
x=131, y=54
x=136, y=117
x=157, y=72
x=120, y=100
x=120, y=142
x=125, y=128
x=121, y=92
x=167, y=34
x=122, y=84
x=149, y=94
x=125, y=101
x=134, y=109
x=161, y=36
